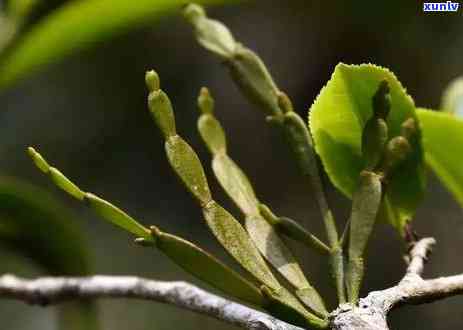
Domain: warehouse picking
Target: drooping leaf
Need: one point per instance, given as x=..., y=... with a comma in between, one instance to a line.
x=443, y=145
x=34, y=224
x=77, y=25
x=337, y=119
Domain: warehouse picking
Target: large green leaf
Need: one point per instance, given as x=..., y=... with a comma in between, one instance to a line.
x=35, y=225
x=337, y=119
x=76, y=26
x=443, y=145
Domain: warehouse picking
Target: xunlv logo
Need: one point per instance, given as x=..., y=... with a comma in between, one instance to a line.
x=440, y=6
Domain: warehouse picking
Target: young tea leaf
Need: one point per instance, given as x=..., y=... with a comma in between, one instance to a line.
x=337, y=119
x=444, y=157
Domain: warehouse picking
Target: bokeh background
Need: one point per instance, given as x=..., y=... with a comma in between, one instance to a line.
x=88, y=114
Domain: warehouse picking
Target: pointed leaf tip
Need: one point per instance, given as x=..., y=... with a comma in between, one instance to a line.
x=382, y=100
x=193, y=11
x=38, y=160
x=152, y=81
x=205, y=101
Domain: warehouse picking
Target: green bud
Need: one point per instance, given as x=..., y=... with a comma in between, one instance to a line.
x=210, y=129
x=374, y=138
x=39, y=161
x=205, y=101
x=211, y=34
x=284, y=102
x=105, y=209
x=116, y=216
x=300, y=141
x=252, y=77
x=162, y=112
x=397, y=150
x=408, y=129
x=212, y=134
x=193, y=12
x=152, y=81
x=382, y=101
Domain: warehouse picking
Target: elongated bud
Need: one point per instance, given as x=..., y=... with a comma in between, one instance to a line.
x=374, y=138
x=57, y=177
x=254, y=80
x=160, y=105
x=39, y=161
x=211, y=34
x=300, y=141
x=108, y=211
x=375, y=132
x=284, y=102
x=382, y=101
x=152, y=81
x=408, y=128
x=209, y=128
x=205, y=101
x=193, y=12
x=398, y=148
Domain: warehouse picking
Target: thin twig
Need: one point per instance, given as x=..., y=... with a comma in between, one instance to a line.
x=52, y=290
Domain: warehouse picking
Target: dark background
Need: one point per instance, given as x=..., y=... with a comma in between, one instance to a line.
x=88, y=114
